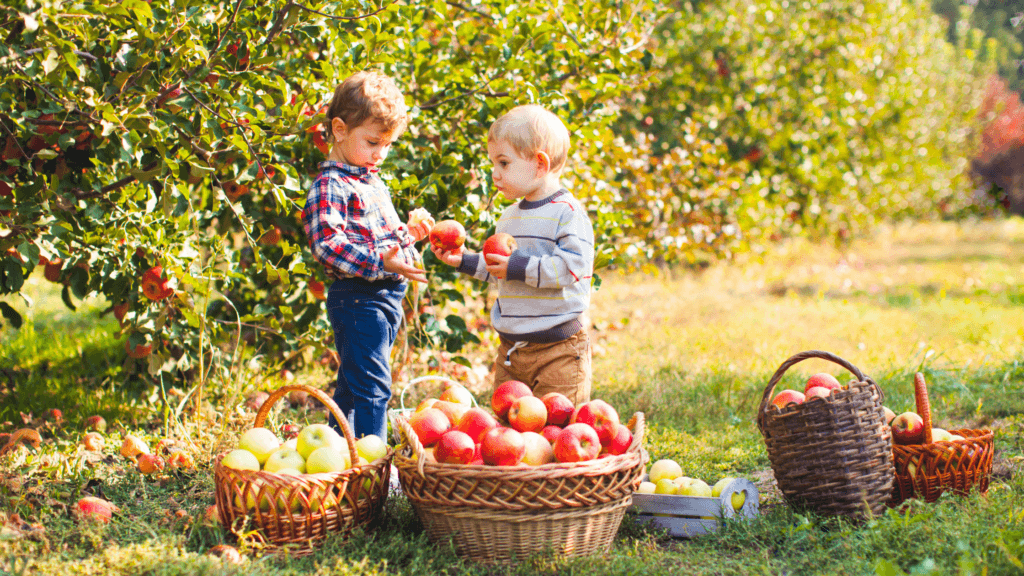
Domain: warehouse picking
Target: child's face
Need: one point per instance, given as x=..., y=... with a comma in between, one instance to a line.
x=365, y=146
x=516, y=176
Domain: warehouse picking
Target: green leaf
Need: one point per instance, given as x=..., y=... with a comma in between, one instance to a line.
x=10, y=314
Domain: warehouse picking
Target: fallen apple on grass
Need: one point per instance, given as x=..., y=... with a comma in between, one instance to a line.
x=96, y=424
x=94, y=509
x=149, y=463
x=93, y=441
x=132, y=446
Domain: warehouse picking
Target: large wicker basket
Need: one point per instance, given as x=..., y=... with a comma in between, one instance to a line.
x=500, y=513
x=832, y=455
x=927, y=470
x=302, y=509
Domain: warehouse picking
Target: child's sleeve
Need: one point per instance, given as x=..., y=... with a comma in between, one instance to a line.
x=473, y=264
x=571, y=261
x=325, y=222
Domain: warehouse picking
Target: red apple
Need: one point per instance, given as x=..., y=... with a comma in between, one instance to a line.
x=505, y=394
x=824, y=380
x=601, y=417
x=817, y=391
x=538, y=450
x=139, y=351
x=180, y=460
x=51, y=271
x=96, y=423
x=560, y=408
x=577, y=442
x=620, y=441
x=528, y=414
x=149, y=463
x=455, y=447
x=92, y=508
x=447, y=235
x=452, y=410
x=120, y=310
x=889, y=415
x=458, y=394
x=426, y=403
x=55, y=415
x=786, y=397
x=502, y=447
x=908, y=428
x=154, y=285
x=551, y=432
x=476, y=422
x=429, y=425
x=271, y=237
x=478, y=460
x=316, y=288
x=500, y=244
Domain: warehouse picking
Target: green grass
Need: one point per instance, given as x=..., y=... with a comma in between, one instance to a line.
x=694, y=352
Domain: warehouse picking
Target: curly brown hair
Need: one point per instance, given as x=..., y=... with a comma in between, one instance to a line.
x=368, y=95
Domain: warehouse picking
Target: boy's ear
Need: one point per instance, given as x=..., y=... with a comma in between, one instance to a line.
x=543, y=161
x=338, y=128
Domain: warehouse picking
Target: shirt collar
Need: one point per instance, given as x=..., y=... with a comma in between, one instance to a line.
x=349, y=169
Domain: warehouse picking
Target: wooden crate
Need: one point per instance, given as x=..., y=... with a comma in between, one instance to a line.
x=689, y=516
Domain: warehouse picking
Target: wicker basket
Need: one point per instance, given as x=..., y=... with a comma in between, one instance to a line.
x=832, y=455
x=959, y=465
x=499, y=513
x=302, y=509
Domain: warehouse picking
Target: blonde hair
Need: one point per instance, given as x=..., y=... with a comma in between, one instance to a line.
x=529, y=129
x=368, y=95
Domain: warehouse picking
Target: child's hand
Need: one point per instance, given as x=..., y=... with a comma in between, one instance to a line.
x=500, y=267
x=420, y=223
x=395, y=264
x=449, y=257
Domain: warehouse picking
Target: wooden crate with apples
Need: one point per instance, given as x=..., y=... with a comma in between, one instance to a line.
x=691, y=516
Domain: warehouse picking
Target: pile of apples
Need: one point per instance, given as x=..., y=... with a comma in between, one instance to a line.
x=317, y=448
x=522, y=429
x=666, y=477
x=821, y=384
x=908, y=429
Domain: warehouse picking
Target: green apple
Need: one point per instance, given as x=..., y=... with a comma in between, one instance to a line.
x=317, y=498
x=695, y=487
x=241, y=460
x=646, y=488
x=371, y=447
x=261, y=442
x=316, y=436
x=941, y=435
x=665, y=486
x=285, y=459
x=716, y=490
x=292, y=443
x=326, y=459
x=665, y=468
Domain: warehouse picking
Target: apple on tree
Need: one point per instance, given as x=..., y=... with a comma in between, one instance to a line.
x=154, y=285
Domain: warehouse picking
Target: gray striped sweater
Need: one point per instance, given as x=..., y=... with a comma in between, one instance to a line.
x=549, y=274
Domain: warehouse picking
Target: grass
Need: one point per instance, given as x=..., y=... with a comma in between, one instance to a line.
x=692, y=351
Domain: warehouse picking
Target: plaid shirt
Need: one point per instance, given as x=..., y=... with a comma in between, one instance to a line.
x=351, y=222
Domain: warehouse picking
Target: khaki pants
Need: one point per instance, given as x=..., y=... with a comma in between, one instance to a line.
x=548, y=367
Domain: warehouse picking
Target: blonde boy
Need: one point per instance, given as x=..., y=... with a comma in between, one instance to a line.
x=544, y=285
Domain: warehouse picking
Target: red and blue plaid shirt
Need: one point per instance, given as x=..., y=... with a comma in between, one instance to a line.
x=350, y=222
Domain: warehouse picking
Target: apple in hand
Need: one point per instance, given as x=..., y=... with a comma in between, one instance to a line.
x=315, y=436
x=476, y=422
x=455, y=447
x=500, y=244
x=601, y=416
x=502, y=447
x=429, y=425
x=908, y=428
x=823, y=379
x=576, y=443
x=787, y=397
x=528, y=414
x=505, y=394
x=284, y=459
x=447, y=235
x=261, y=442
x=560, y=408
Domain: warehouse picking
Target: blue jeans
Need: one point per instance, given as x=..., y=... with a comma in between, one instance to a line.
x=365, y=317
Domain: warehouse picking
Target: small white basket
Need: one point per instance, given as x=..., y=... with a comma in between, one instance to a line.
x=394, y=413
x=689, y=516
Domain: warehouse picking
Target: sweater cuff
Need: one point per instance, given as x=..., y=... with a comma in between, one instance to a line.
x=469, y=263
x=517, y=262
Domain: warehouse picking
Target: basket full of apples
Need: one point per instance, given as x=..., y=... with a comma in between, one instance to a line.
x=829, y=446
x=301, y=490
x=930, y=461
x=531, y=474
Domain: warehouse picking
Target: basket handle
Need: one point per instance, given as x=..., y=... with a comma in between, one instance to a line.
x=769, y=390
x=924, y=409
x=324, y=399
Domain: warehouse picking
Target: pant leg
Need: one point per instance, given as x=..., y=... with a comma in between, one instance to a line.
x=563, y=367
x=365, y=317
